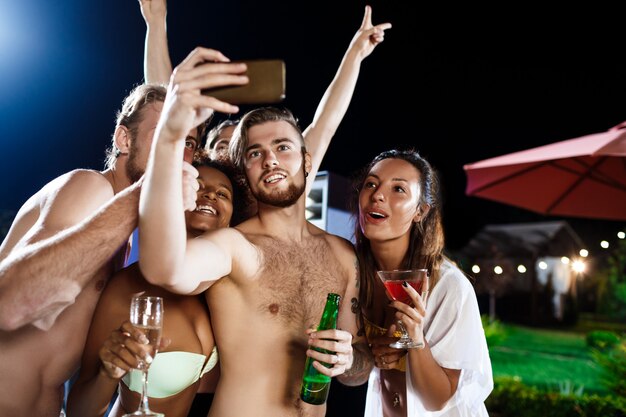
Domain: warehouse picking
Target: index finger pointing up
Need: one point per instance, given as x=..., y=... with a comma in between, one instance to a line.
x=367, y=18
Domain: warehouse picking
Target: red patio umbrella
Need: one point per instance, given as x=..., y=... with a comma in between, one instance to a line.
x=582, y=177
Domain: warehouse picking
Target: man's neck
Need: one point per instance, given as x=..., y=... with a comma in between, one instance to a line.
x=117, y=177
x=283, y=222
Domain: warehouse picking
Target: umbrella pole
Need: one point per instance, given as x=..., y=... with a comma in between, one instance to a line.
x=492, y=305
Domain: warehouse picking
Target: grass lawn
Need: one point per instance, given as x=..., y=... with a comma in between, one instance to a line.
x=547, y=358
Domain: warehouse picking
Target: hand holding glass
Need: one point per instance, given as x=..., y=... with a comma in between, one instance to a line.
x=146, y=314
x=416, y=278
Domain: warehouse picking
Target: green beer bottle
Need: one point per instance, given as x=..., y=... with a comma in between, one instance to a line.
x=315, y=386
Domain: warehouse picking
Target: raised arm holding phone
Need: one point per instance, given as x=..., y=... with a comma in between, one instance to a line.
x=334, y=102
x=267, y=286
x=330, y=111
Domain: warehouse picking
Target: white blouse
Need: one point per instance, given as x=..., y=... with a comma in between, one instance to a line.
x=455, y=334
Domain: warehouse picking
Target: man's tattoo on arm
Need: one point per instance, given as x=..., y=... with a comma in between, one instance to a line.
x=355, y=305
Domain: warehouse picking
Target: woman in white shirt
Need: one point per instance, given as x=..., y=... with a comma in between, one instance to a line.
x=399, y=227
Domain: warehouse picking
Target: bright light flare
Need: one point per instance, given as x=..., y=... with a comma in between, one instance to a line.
x=579, y=266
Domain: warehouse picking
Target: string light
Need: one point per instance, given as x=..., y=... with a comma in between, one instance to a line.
x=475, y=269
x=578, y=266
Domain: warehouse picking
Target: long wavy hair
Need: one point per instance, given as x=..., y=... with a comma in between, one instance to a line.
x=426, y=241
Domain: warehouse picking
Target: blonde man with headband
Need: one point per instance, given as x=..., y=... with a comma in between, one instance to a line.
x=64, y=243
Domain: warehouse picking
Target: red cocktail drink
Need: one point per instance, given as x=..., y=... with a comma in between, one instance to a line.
x=395, y=290
x=393, y=282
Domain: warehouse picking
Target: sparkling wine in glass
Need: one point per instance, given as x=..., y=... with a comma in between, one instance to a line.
x=146, y=314
x=392, y=280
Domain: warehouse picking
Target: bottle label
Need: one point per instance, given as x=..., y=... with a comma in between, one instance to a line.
x=323, y=386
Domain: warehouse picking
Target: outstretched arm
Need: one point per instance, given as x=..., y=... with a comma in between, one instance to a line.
x=157, y=66
x=80, y=227
x=167, y=259
x=336, y=99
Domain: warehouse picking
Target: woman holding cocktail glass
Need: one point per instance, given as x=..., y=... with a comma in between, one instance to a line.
x=398, y=227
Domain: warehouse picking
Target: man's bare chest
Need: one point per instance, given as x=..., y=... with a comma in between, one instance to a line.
x=294, y=281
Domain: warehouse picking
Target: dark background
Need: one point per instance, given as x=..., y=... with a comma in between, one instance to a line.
x=460, y=85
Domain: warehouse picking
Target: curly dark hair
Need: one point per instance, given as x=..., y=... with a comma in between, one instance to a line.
x=241, y=192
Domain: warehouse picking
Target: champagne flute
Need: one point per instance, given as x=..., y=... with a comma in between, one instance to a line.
x=392, y=280
x=146, y=314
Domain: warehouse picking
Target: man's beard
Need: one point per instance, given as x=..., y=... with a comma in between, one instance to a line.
x=133, y=171
x=286, y=198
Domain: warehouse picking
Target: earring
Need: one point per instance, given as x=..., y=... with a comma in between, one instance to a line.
x=418, y=215
x=306, y=174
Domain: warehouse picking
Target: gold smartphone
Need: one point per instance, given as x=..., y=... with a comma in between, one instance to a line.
x=266, y=84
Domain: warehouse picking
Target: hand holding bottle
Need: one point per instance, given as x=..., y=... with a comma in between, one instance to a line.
x=338, y=344
x=317, y=377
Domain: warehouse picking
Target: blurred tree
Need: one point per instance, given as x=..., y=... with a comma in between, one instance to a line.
x=612, y=291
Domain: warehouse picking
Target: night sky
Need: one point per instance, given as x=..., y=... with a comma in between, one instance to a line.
x=458, y=85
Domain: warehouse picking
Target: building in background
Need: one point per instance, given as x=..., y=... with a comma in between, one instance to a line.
x=327, y=205
x=531, y=269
